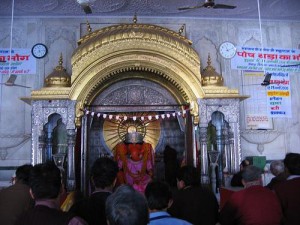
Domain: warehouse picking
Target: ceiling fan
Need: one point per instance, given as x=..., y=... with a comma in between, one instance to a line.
x=11, y=82
x=209, y=4
x=85, y=5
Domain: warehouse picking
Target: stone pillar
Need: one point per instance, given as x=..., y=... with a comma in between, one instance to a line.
x=41, y=155
x=84, y=156
x=48, y=142
x=71, y=160
x=203, y=154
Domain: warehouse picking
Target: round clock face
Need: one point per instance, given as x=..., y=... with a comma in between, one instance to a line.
x=227, y=50
x=39, y=50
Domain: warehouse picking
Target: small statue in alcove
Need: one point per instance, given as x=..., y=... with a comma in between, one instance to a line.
x=135, y=160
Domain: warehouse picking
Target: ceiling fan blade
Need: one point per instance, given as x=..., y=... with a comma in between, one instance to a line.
x=87, y=9
x=191, y=7
x=222, y=6
x=18, y=85
x=11, y=80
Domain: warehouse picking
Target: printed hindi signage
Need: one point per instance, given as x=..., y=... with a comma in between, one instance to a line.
x=256, y=106
x=258, y=121
x=279, y=95
x=266, y=59
x=19, y=62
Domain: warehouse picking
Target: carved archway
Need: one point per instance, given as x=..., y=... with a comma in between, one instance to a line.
x=103, y=56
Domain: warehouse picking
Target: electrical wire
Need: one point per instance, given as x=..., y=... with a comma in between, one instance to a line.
x=11, y=35
x=10, y=48
x=261, y=38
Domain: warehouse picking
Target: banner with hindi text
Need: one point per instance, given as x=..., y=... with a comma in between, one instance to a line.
x=256, y=106
x=279, y=95
x=266, y=59
x=20, y=62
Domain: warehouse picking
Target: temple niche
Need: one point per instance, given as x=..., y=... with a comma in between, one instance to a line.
x=135, y=89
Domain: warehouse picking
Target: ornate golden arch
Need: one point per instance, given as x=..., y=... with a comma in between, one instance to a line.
x=104, y=54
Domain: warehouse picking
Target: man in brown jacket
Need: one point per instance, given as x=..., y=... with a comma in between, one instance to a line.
x=16, y=199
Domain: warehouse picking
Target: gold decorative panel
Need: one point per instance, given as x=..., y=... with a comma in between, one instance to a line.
x=114, y=131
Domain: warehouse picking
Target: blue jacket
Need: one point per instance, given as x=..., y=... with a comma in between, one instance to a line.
x=164, y=218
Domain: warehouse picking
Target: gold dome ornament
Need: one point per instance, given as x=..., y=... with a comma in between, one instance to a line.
x=59, y=77
x=209, y=76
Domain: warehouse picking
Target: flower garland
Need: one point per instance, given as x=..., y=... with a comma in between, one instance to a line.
x=134, y=118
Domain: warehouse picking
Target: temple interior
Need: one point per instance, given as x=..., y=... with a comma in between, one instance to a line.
x=129, y=86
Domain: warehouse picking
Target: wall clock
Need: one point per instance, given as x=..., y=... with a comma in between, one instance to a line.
x=39, y=50
x=227, y=50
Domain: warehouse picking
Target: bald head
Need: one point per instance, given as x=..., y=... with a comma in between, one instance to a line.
x=251, y=174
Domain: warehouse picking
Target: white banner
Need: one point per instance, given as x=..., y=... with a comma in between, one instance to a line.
x=258, y=121
x=279, y=95
x=20, y=61
x=256, y=106
x=267, y=59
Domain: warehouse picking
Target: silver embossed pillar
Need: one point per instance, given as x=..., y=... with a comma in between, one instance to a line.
x=71, y=160
x=203, y=154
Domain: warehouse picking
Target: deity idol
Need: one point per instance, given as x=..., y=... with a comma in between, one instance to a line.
x=135, y=160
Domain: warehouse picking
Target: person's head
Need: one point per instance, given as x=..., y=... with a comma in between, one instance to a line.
x=158, y=195
x=244, y=164
x=187, y=176
x=45, y=181
x=251, y=175
x=276, y=167
x=292, y=163
x=104, y=172
x=22, y=173
x=126, y=206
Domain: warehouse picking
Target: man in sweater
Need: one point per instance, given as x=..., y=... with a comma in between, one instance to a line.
x=103, y=178
x=194, y=203
x=288, y=191
x=253, y=205
x=45, y=188
x=16, y=199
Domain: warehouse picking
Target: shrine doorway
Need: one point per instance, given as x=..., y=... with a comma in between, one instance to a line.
x=134, y=98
